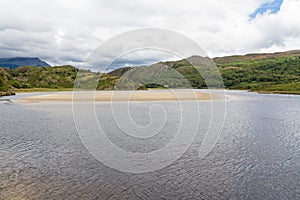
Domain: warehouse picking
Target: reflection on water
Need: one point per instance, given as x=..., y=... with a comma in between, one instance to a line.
x=42, y=157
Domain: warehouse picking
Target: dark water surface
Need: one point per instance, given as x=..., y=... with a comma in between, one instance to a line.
x=256, y=157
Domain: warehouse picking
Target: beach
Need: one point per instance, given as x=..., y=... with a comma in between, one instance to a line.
x=106, y=96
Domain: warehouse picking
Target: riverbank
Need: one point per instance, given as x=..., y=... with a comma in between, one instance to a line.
x=29, y=90
x=7, y=93
x=106, y=96
x=278, y=92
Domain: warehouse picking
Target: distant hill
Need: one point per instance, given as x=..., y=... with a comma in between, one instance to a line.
x=22, y=61
x=256, y=57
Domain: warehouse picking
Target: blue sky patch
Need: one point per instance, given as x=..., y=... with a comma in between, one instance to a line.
x=273, y=7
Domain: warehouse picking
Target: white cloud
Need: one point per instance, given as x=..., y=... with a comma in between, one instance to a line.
x=65, y=31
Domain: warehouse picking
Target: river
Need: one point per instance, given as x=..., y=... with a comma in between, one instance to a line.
x=256, y=156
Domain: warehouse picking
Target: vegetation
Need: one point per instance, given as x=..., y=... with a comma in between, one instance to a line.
x=5, y=83
x=281, y=75
x=268, y=73
x=47, y=79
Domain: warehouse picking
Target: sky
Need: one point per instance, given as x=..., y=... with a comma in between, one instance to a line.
x=67, y=31
x=270, y=6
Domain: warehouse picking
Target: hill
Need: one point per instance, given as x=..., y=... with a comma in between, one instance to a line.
x=278, y=75
x=257, y=57
x=29, y=78
x=269, y=73
x=22, y=61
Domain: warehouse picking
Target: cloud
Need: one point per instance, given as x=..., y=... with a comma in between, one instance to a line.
x=138, y=58
x=276, y=31
x=66, y=31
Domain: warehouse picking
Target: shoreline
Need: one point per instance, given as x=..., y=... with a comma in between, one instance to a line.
x=108, y=96
x=59, y=91
x=30, y=90
x=277, y=92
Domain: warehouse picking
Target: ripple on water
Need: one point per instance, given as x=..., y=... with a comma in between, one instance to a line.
x=42, y=157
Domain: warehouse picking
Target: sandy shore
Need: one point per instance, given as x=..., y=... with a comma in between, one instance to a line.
x=106, y=96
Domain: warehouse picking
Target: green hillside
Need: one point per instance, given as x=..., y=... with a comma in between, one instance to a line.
x=280, y=75
x=43, y=77
x=269, y=73
x=58, y=78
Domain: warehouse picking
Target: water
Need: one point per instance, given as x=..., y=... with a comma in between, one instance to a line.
x=256, y=157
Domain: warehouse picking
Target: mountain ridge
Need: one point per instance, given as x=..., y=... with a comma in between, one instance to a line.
x=15, y=62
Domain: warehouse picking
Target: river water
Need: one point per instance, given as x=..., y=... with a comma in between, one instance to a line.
x=256, y=156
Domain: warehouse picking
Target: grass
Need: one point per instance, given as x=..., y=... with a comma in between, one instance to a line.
x=284, y=88
x=24, y=90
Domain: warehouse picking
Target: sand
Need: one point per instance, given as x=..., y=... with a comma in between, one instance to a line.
x=107, y=96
